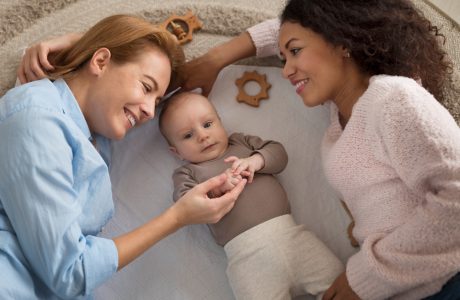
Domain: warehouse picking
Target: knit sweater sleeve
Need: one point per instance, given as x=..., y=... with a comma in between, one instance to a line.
x=422, y=143
x=265, y=37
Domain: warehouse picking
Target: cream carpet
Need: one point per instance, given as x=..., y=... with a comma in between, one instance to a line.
x=23, y=22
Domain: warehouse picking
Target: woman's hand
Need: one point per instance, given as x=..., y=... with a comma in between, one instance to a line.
x=35, y=62
x=340, y=290
x=246, y=167
x=201, y=72
x=196, y=207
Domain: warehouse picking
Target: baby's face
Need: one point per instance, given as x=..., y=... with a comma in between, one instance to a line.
x=195, y=131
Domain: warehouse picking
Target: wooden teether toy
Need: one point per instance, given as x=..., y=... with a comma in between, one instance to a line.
x=252, y=100
x=183, y=26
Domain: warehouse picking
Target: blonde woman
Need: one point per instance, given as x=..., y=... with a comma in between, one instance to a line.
x=55, y=191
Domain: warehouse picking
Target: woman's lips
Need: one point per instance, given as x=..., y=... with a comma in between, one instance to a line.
x=131, y=118
x=300, y=85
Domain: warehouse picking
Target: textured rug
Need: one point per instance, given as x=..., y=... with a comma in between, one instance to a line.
x=23, y=22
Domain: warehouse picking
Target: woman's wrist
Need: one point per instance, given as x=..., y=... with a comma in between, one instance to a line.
x=64, y=41
x=218, y=58
x=74, y=37
x=172, y=214
x=132, y=244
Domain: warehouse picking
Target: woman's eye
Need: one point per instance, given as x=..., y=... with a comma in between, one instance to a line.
x=207, y=124
x=294, y=51
x=147, y=87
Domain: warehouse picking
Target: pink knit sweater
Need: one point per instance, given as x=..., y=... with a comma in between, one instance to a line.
x=397, y=166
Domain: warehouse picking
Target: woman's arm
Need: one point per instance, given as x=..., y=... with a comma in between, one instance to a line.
x=202, y=72
x=422, y=142
x=192, y=208
x=43, y=198
x=260, y=40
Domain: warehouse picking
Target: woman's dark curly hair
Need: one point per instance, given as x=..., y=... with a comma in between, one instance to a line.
x=383, y=36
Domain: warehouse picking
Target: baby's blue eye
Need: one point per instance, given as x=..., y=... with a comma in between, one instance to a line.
x=207, y=124
x=187, y=136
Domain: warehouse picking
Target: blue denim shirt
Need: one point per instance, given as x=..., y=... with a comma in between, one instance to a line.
x=55, y=197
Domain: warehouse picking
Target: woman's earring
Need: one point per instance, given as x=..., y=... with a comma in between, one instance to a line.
x=347, y=55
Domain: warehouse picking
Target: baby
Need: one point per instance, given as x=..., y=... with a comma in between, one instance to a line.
x=269, y=255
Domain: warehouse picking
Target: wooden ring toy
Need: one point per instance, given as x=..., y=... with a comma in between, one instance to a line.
x=182, y=26
x=252, y=100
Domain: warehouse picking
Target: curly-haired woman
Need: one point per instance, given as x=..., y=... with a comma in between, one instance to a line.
x=392, y=150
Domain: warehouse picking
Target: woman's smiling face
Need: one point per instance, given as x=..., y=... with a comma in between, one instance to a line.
x=315, y=67
x=125, y=95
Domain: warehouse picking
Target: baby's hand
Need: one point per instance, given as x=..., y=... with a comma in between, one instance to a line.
x=246, y=166
x=228, y=185
x=232, y=180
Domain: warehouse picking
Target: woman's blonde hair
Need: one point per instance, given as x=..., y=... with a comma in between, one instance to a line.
x=126, y=37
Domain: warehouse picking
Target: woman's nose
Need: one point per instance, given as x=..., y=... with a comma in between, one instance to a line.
x=147, y=110
x=288, y=69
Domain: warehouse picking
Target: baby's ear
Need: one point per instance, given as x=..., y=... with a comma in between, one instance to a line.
x=173, y=150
